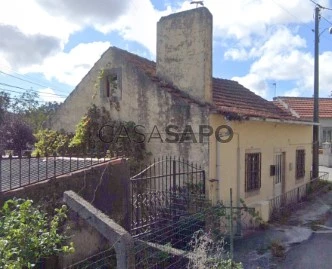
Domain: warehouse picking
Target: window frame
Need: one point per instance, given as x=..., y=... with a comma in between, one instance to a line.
x=106, y=91
x=253, y=171
x=300, y=163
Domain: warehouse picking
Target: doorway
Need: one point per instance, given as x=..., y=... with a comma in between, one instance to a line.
x=279, y=178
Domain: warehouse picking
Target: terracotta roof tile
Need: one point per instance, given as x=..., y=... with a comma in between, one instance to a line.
x=304, y=106
x=229, y=97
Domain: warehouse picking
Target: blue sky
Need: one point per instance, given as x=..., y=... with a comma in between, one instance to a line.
x=48, y=46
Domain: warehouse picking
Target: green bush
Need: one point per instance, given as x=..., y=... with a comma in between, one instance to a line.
x=27, y=234
x=86, y=138
x=118, y=138
x=50, y=141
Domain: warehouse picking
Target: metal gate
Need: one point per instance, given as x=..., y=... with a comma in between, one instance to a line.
x=165, y=190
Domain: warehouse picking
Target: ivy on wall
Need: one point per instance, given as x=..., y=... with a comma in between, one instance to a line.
x=118, y=138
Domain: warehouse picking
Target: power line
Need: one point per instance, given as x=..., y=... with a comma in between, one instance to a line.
x=16, y=92
x=31, y=78
x=291, y=14
x=320, y=6
x=11, y=91
x=16, y=99
x=25, y=89
x=29, y=81
x=326, y=20
x=287, y=11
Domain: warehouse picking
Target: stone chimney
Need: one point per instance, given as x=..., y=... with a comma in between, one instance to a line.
x=184, y=51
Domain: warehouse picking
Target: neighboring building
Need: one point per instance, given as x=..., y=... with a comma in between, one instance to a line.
x=270, y=152
x=303, y=108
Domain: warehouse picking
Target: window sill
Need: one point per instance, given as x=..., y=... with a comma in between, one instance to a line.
x=299, y=180
x=252, y=193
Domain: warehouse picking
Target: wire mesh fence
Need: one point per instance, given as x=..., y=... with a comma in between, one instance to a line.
x=177, y=242
x=170, y=245
x=103, y=260
x=19, y=171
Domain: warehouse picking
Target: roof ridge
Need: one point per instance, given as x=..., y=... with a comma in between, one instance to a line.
x=302, y=97
x=229, y=96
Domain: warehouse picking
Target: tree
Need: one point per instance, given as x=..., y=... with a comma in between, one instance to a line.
x=27, y=234
x=29, y=108
x=4, y=105
x=25, y=103
x=15, y=133
x=37, y=117
x=21, y=118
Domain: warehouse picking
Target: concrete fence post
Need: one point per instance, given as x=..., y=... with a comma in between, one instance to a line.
x=113, y=232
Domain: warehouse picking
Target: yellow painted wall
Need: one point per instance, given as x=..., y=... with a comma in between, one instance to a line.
x=267, y=138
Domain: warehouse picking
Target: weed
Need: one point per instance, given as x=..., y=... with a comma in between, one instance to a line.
x=277, y=249
x=207, y=253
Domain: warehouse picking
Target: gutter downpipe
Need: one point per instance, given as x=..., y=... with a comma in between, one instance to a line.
x=238, y=183
x=218, y=165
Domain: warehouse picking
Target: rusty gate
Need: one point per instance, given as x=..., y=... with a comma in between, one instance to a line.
x=164, y=191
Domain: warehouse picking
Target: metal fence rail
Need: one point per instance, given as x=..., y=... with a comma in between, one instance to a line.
x=292, y=198
x=16, y=172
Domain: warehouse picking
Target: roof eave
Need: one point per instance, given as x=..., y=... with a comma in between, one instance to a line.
x=284, y=121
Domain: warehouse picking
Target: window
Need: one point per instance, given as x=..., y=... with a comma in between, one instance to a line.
x=112, y=89
x=300, y=163
x=110, y=85
x=253, y=172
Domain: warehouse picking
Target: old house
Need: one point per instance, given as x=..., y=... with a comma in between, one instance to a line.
x=266, y=152
x=303, y=107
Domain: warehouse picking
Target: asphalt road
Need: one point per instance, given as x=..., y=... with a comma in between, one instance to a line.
x=314, y=253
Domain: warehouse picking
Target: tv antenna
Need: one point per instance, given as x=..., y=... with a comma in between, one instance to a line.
x=275, y=88
x=197, y=3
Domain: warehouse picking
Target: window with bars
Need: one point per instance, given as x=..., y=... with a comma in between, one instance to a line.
x=253, y=172
x=300, y=163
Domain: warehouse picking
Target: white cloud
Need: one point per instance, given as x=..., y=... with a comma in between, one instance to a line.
x=254, y=83
x=71, y=67
x=256, y=30
x=138, y=23
x=4, y=64
x=236, y=54
x=242, y=19
x=31, y=18
x=325, y=77
x=48, y=95
x=282, y=57
x=20, y=49
x=296, y=92
x=87, y=12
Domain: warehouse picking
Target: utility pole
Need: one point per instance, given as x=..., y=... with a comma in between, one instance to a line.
x=315, y=133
